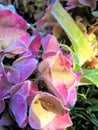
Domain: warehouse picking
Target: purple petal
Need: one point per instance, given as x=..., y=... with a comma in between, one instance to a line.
x=25, y=88
x=15, y=88
x=2, y=105
x=90, y=3
x=23, y=64
x=19, y=71
x=18, y=106
x=13, y=76
x=17, y=47
x=4, y=86
x=6, y=119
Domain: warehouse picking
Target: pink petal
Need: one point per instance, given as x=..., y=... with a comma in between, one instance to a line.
x=45, y=106
x=18, y=106
x=32, y=92
x=50, y=43
x=72, y=97
x=10, y=35
x=61, y=92
x=59, y=123
x=35, y=44
x=11, y=19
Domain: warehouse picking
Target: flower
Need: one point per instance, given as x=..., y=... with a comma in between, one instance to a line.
x=17, y=55
x=58, y=74
x=47, y=112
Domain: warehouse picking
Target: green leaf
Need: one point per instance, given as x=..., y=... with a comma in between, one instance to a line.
x=93, y=108
x=76, y=66
x=94, y=120
x=77, y=38
x=91, y=75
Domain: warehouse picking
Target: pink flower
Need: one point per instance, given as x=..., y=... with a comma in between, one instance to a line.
x=58, y=74
x=47, y=112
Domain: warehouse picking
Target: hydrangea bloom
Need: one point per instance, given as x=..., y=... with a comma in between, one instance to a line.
x=56, y=71
x=58, y=74
x=47, y=112
x=17, y=62
x=16, y=56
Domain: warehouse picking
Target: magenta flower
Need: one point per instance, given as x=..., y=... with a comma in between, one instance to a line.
x=47, y=112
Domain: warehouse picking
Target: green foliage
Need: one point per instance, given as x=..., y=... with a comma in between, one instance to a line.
x=91, y=75
x=77, y=38
x=85, y=112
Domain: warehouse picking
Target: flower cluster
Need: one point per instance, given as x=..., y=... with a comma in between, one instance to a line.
x=21, y=99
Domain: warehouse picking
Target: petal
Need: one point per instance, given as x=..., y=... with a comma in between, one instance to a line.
x=4, y=86
x=44, y=106
x=67, y=97
x=20, y=68
x=2, y=105
x=61, y=92
x=72, y=97
x=10, y=35
x=35, y=44
x=23, y=88
x=5, y=119
x=32, y=92
x=50, y=44
x=17, y=47
x=11, y=19
x=27, y=88
x=59, y=123
x=18, y=106
x=90, y=3
x=13, y=76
